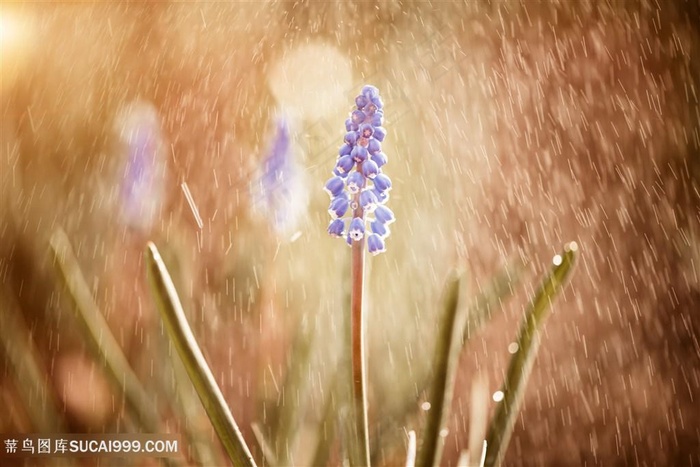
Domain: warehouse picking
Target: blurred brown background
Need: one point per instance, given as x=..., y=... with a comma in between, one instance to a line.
x=513, y=128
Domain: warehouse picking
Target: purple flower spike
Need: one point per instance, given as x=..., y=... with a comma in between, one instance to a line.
x=335, y=186
x=336, y=228
x=382, y=182
x=360, y=188
x=375, y=244
x=384, y=215
x=357, y=229
x=355, y=182
x=370, y=170
x=278, y=193
x=339, y=206
x=142, y=187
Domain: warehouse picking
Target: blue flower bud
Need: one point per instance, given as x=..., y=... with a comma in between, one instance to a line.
x=379, y=133
x=379, y=158
x=345, y=149
x=339, y=206
x=340, y=174
x=370, y=169
x=384, y=215
x=381, y=181
x=366, y=130
x=382, y=196
x=379, y=228
x=350, y=126
x=336, y=228
x=361, y=101
x=375, y=244
x=358, y=117
x=368, y=200
x=359, y=153
x=377, y=101
x=351, y=137
x=373, y=146
x=377, y=119
x=345, y=164
x=355, y=182
x=334, y=186
x=357, y=229
x=370, y=91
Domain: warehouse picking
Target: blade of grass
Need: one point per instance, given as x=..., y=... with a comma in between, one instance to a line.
x=100, y=338
x=185, y=405
x=268, y=452
x=520, y=366
x=296, y=381
x=17, y=345
x=175, y=383
x=327, y=427
x=411, y=450
x=446, y=357
x=480, y=310
x=478, y=417
x=182, y=337
x=499, y=289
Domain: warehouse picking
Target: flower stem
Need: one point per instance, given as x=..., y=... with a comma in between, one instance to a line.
x=358, y=354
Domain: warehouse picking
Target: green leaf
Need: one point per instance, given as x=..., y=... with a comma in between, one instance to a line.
x=100, y=338
x=184, y=341
x=446, y=358
x=520, y=366
x=25, y=363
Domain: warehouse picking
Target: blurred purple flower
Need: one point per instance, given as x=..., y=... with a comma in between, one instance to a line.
x=142, y=184
x=279, y=192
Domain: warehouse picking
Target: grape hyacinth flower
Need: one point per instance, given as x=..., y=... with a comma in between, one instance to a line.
x=279, y=193
x=358, y=176
x=142, y=186
x=358, y=190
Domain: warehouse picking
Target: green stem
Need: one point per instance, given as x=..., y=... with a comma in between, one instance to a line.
x=501, y=427
x=203, y=380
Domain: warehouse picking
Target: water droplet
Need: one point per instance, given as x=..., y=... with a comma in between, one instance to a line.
x=557, y=260
x=498, y=396
x=425, y=406
x=513, y=347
